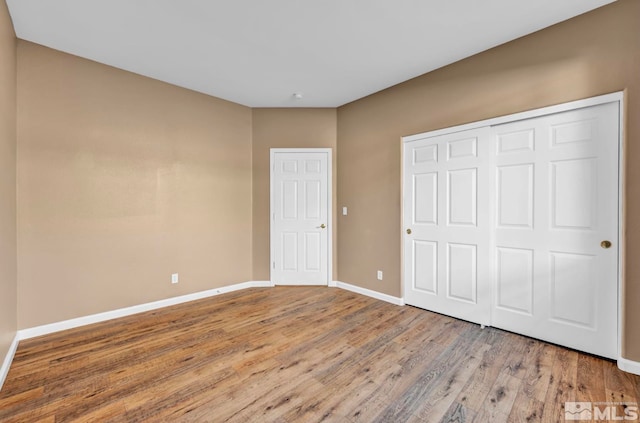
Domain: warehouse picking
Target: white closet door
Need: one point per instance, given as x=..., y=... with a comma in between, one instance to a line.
x=516, y=226
x=556, y=201
x=446, y=210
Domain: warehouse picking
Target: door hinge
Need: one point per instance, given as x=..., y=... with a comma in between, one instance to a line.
x=273, y=265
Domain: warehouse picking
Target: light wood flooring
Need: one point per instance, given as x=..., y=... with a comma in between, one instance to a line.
x=300, y=355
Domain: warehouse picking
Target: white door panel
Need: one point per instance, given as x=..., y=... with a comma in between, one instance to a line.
x=506, y=224
x=448, y=249
x=575, y=206
x=300, y=218
x=514, y=280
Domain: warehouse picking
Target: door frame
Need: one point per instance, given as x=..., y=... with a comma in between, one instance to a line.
x=329, y=153
x=616, y=97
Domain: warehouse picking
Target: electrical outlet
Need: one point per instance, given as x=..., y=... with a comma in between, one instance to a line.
x=174, y=278
x=379, y=275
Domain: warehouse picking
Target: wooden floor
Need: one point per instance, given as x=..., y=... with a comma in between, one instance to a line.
x=303, y=355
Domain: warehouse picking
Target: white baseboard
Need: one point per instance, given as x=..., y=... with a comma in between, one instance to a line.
x=261, y=284
x=6, y=364
x=140, y=308
x=333, y=284
x=370, y=293
x=629, y=366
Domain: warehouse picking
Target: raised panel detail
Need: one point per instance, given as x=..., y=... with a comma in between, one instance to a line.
x=425, y=198
x=312, y=166
x=567, y=133
x=515, y=196
x=311, y=251
x=425, y=261
x=516, y=142
x=289, y=166
x=461, y=272
x=425, y=154
x=289, y=192
x=462, y=197
x=574, y=194
x=289, y=251
x=573, y=289
x=312, y=199
x=462, y=148
x=515, y=279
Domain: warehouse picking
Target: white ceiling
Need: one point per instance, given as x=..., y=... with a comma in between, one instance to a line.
x=259, y=52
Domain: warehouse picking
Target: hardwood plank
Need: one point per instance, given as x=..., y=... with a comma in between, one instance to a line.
x=501, y=398
x=424, y=330
x=458, y=413
x=387, y=330
x=285, y=395
x=562, y=385
x=537, y=380
x=529, y=403
x=262, y=391
x=533, y=348
x=176, y=396
x=327, y=404
x=416, y=357
x=475, y=392
x=364, y=401
x=111, y=412
x=619, y=386
x=299, y=354
x=590, y=379
x=368, y=410
x=442, y=369
x=232, y=397
x=445, y=390
x=526, y=409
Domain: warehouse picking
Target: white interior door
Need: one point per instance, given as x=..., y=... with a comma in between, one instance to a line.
x=300, y=216
x=557, y=200
x=515, y=224
x=447, y=224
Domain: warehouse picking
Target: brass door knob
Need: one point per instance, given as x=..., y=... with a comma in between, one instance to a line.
x=605, y=244
x=409, y=231
x=323, y=226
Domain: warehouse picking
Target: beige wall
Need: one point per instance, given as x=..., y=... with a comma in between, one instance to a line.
x=285, y=128
x=8, y=287
x=123, y=180
x=593, y=54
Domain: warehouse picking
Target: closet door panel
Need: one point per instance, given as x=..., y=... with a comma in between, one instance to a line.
x=446, y=209
x=557, y=197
